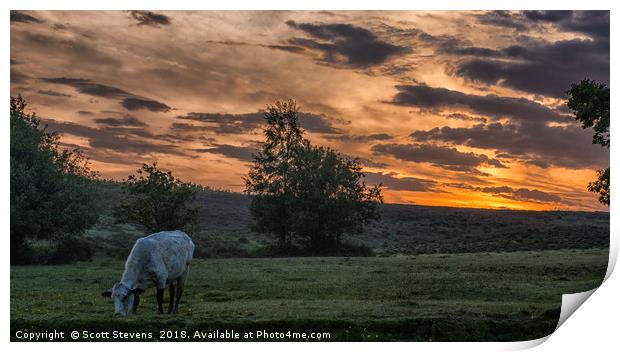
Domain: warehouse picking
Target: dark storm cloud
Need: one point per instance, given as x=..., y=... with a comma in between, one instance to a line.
x=522, y=194
x=393, y=183
x=592, y=23
x=148, y=18
x=243, y=153
x=86, y=86
x=53, y=93
x=532, y=143
x=535, y=66
x=542, y=68
x=135, y=103
x=345, y=44
x=243, y=123
x=488, y=105
x=116, y=140
x=18, y=16
x=126, y=120
x=439, y=156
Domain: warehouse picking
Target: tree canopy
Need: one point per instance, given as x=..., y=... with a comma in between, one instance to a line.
x=52, y=188
x=158, y=201
x=589, y=101
x=302, y=192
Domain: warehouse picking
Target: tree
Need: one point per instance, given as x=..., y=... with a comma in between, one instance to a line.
x=268, y=179
x=158, y=201
x=52, y=189
x=330, y=197
x=589, y=101
x=300, y=191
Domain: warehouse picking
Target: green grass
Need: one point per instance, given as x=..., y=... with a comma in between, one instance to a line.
x=464, y=297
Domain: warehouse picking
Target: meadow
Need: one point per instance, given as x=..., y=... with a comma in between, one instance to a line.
x=430, y=274
x=440, y=297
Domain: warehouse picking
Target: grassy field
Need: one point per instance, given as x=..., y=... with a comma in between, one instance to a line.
x=447, y=297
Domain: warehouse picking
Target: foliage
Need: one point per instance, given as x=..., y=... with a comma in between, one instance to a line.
x=268, y=178
x=601, y=186
x=52, y=189
x=590, y=103
x=158, y=201
x=303, y=192
x=330, y=196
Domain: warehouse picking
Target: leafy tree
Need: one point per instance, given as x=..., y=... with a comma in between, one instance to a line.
x=300, y=191
x=268, y=178
x=590, y=103
x=330, y=197
x=52, y=189
x=158, y=201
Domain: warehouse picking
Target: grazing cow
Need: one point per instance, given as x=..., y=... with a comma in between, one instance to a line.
x=157, y=260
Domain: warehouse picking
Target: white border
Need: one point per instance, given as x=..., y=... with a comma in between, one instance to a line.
x=593, y=326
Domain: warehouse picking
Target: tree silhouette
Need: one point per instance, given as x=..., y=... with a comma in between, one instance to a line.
x=589, y=101
x=303, y=192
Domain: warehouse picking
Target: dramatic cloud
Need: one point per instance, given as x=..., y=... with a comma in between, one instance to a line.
x=542, y=68
x=345, y=44
x=17, y=16
x=539, y=66
x=126, y=120
x=140, y=103
x=243, y=123
x=231, y=151
x=148, y=18
x=465, y=117
x=593, y=23
x=537, y=144
x=86, y=86
x=115, y=140
x=504, y=19
x=488, y=105
x=439, y=156
x=388, y=180
x=129, y=101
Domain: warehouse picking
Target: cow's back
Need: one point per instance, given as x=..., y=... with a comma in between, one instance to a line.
x=167, y=251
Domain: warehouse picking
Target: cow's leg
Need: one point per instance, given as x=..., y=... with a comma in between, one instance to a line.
x=160, y=300
x=171, y=304
x=136, y=301
x=180, y=286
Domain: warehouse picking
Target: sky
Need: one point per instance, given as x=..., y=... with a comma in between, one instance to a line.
x=457, y=108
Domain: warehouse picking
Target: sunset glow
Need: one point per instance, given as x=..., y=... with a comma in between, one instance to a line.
x=461, y=109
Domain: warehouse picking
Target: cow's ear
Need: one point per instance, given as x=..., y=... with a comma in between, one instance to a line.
x=107, y=293
x=136, y=291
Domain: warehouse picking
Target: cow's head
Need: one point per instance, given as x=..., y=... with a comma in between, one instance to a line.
x=123, y=298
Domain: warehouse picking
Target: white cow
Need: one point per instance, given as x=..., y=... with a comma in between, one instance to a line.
x=157, y=260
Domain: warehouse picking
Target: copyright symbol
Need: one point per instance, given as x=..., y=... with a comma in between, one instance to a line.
x=75, y=335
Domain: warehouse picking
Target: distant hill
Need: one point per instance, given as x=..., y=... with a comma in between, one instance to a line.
x=225, y=221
